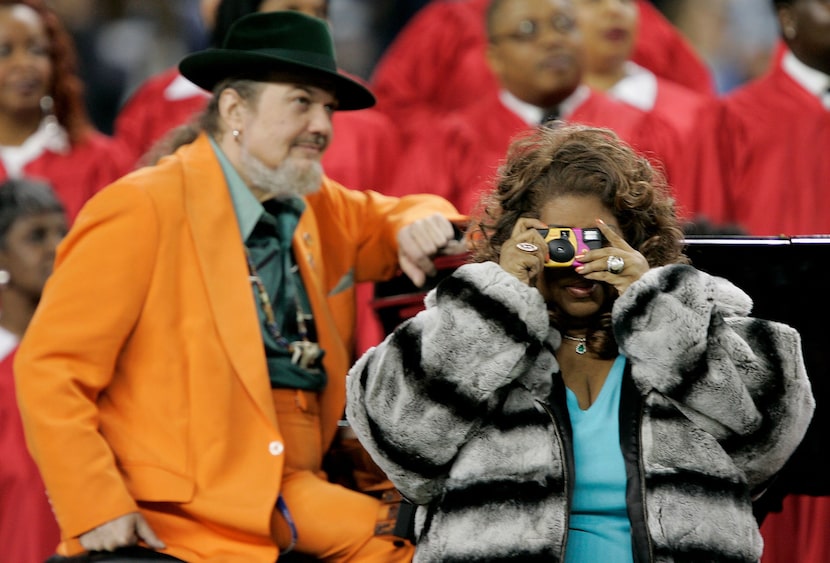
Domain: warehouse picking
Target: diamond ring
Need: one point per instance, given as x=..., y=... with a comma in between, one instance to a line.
x=615, y=264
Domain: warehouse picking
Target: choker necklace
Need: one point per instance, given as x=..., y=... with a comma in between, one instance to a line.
x=580, y=347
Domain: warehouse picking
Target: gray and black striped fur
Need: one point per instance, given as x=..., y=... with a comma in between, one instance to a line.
x=459, y=406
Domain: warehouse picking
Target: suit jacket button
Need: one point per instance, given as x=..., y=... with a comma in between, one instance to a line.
x=275, y=447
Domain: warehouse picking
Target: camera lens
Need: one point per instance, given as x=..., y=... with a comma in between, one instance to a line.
x=561, y=250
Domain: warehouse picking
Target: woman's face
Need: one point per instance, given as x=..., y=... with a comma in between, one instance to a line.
x=25, y=63
x=574, y=295
x=28, y=253
x=609, y=29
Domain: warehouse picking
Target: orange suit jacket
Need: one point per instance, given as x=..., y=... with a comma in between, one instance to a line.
x=142, y=378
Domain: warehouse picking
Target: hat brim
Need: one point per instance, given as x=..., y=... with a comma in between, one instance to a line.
x=207, y=68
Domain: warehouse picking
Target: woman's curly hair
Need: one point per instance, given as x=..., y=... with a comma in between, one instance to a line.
x=67, y=89
x=574, y=160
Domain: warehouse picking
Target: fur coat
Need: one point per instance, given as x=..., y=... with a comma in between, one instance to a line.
x=458, y=407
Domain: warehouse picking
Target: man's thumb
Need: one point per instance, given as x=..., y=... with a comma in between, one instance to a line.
x=146, y=533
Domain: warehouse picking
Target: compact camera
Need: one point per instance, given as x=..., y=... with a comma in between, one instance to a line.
x=564, y=243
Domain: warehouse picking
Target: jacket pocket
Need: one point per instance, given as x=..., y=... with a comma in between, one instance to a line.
x=154, y=484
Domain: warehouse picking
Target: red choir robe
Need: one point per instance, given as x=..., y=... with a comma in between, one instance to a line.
x=363, y=154
x=161, y=102
x=79, y=172
x=798, y=533
x=459, y=159
x=678, y=105
x=436, y=64
x=29, y=532
x=760, y=159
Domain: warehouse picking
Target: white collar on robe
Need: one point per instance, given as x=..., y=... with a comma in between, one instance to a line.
x=533, y=114
x=637, y=88
x=812, y=80
x=181, y=89
x=8, y=342
x=50, y=136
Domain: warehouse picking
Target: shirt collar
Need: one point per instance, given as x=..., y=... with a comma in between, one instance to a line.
x=533, y=114
x=637, y=88
x=182, y=89
x=247, y=207
x=8, y=342
x=812, y=80
x=50, y=135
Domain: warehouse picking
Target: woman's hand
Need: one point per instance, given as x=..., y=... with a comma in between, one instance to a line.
x=524, y=254
x=595, y=262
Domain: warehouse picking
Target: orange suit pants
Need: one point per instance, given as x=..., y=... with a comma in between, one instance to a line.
x=333, y=523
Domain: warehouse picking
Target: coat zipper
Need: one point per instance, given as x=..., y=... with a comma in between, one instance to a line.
x=641, y=466
x=565, y=479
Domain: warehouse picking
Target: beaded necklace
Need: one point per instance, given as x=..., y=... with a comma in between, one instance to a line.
x=304, y=353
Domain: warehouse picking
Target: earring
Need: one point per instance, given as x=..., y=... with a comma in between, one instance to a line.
x=235, y=134
x=5, y=277
x=47, y=108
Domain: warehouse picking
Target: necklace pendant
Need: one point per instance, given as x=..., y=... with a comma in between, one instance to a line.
x=304, y=353
x=581, y=348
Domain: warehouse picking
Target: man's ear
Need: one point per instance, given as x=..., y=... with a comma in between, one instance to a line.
x=232, y=108
x=787, y=22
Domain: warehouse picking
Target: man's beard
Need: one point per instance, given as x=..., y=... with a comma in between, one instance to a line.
x=294, y=177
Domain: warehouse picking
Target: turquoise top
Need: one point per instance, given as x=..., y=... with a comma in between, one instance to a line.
x=599, y=527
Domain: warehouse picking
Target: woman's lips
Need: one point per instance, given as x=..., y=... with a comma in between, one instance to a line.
x=616, y=34
x=581, y=290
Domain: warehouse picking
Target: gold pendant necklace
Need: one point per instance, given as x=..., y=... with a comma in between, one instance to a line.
x=581, y=348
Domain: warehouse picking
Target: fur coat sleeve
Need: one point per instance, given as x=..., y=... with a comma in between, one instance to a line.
x=689, y=337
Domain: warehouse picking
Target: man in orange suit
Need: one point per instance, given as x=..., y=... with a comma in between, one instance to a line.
x=185, y=371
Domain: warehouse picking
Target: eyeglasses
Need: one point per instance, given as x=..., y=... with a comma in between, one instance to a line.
x=529, y=31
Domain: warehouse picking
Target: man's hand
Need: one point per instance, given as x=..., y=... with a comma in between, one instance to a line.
x=418, y=242
x=123, y=531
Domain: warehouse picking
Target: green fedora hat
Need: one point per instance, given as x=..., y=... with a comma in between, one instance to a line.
x=281, y=41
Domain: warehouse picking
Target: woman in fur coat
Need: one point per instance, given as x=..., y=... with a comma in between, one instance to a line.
x=611, y=405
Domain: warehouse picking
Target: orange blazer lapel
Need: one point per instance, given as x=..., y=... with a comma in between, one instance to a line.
x=221, y=255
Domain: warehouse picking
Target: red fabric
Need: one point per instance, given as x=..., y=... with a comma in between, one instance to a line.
x=149, y=114
x=760, y=159
x=436, y=64
x=661, y=48
x=83, y=171
x=364, y=151
x=459, y=158
x=28, y=531
x=799, y=532
x=679, y=106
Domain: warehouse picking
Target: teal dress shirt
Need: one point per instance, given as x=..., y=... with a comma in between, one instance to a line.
x=267, y=229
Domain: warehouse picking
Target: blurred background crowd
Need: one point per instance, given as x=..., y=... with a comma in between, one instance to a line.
x=735, y=160
x=122, y=42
